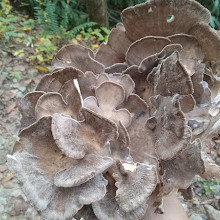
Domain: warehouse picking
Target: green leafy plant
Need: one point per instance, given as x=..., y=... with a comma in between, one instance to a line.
x=91, y=37
x=209, y=186
x=59, y=16
x=116, y=6
x=7, y=21
x=214, y=8
x=101, y=34
x=12, y=26
x=5, y=8
x=75, y=30
x=14, y=75
x=44, y=50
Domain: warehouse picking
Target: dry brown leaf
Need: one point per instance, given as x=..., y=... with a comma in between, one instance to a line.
x=10, y=108
x=28, y=82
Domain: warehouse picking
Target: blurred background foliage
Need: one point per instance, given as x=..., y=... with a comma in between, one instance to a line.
x=54, y=15
x=45, y=25
x=214, y=8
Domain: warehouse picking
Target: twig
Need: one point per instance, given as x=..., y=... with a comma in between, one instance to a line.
x=207, y=201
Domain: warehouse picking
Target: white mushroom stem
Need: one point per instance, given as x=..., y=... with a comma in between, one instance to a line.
x=76, y=83
x=129, y=166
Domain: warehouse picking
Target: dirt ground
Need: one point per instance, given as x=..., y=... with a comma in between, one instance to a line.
x=205, y=204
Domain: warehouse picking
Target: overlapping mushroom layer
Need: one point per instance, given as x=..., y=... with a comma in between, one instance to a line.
x=107, y=134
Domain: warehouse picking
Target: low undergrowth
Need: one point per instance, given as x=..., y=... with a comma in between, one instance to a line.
x=23, y=37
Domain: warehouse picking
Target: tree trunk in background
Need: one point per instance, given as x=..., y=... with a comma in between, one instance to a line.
x=98, y=12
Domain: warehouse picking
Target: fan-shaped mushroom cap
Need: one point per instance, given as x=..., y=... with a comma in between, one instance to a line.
x=107, y=56
x=208, y=39
x=45, y=196
x=39, y=133
x=187, y=103
x=79, y=57
x=145, y=47
x=116, y=68
x=107, y=208
x=169, y=77
x=135, y=105
x=191, y=47
x=76, y=139
x=116, y=47
x=120, y=147
x=153, y=18
x=53, y=82
x=142, y=87
x=90, y=82
x=130, y=199
x=37, y=165
x=109, y=96
x=44, y=83
x=169, y=129
x=180, y=171
x=27, y=108
x=148, y=64
x=124, y=80
x=141, y=138
x=83, y=171
x=61, y=82
x=192, y=53
x=67, y=101
x=131, y=181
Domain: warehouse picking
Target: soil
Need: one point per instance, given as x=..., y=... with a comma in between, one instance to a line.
x=13, y=203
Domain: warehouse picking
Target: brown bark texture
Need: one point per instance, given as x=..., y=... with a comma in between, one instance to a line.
x=98, y=12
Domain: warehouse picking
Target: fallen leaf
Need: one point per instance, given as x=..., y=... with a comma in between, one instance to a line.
x=3, y=168
x=8, y=177
x=9, y=94
x=94, y=46
x=28, y=82
x=74, y=41
x=18, y=52
x=42, y=69
x=26, y=28
x=20, y=206
x=8, y=185
x=40, y=57
x=10, y=108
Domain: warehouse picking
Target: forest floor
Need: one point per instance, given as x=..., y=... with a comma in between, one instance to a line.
x=19, y=75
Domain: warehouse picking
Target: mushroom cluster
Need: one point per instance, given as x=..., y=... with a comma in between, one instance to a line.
x=108, y=135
